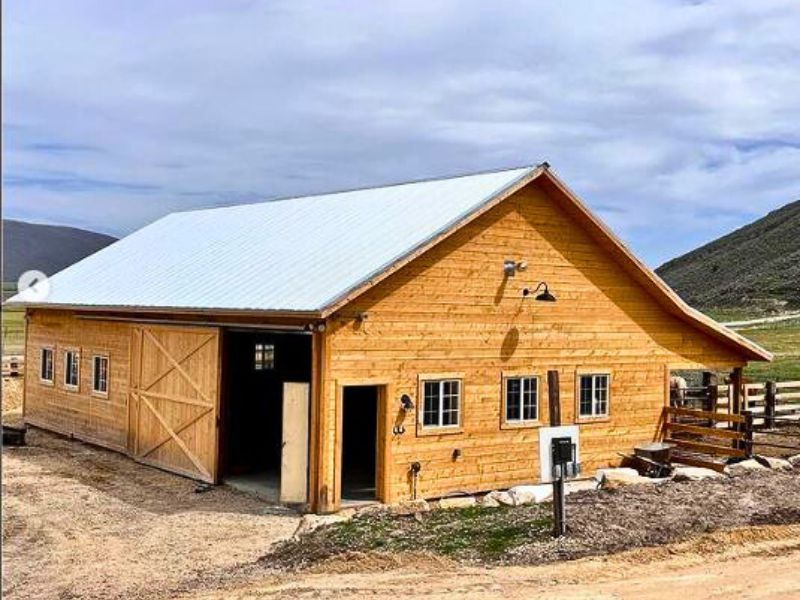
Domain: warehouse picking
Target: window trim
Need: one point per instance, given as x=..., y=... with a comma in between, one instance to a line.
x=52, y=381
x=520, y=423
x=68, y=386
x=423, y=429
x=592, y=418
x=95, y=356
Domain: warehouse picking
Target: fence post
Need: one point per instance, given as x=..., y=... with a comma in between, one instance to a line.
x=770, y=390
x=712, y=393
x=748, y=433
x=736, y=391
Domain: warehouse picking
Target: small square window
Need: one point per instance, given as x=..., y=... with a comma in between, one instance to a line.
x=100, y=375
x=441, y=403
x=46, y=373
x=593, y=398
x=72, y=366
x=522, y=399
x=264, y=357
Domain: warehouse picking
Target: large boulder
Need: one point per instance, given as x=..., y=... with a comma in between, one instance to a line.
x=457, y=502
x=531, y=494
x=779, y=464
x=310, y=522
x=744, y=467
x=488, y=501
x=695, y=474
x=409, y=507
x=504, y=498
x=621, y=476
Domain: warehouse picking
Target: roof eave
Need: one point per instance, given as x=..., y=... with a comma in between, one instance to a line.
x=283, y=313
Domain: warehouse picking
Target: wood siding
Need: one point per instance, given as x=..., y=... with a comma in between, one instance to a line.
x=78, y=413
x=452, y=311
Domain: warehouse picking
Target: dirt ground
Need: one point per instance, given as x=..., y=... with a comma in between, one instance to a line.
x=753, y=563
x=81, y=522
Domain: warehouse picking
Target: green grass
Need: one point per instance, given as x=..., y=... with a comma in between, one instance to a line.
x=13, y=328
x=475, y=532
x=783, y=340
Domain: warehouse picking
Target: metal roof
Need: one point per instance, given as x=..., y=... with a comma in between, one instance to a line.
x=299, y=254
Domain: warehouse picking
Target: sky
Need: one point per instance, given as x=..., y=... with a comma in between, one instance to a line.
x=675, y=121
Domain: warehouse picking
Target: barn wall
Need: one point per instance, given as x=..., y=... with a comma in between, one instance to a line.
x=452, y=311
x=100, y=420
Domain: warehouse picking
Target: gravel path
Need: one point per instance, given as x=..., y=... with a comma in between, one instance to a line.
x=81, y=522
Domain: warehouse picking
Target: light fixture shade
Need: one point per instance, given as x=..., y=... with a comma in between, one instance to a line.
x=545, y=296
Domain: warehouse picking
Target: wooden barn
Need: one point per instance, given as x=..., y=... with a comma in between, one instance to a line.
x=413, y=340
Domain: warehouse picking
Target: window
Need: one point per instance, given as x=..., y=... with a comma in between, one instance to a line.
x=100, y=375
x=522, y=399
x=71, y=369
x=46, y=372
x=264, y=357
x=593, y=399
x=442, y=403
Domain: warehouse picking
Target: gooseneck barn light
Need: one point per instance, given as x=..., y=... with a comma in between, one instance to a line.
x=545, y=296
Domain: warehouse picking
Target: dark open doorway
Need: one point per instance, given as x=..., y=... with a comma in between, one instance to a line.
x=255, y=366
x=360, y=442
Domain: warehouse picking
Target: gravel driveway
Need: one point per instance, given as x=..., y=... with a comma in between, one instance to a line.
x=81, y=522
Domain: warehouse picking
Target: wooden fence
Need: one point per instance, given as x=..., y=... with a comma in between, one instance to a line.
x=771, y=403
x=705, y=438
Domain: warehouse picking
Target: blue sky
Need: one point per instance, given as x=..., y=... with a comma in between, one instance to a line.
x=676, y=121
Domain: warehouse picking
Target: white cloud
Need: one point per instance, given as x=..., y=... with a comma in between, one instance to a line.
x=660, y=113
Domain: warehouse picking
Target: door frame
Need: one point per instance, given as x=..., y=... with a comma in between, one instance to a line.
x=382, y=443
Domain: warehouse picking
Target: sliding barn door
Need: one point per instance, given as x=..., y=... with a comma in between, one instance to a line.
x=174, y=392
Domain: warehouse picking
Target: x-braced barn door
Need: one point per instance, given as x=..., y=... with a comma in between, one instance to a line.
x=174, y=391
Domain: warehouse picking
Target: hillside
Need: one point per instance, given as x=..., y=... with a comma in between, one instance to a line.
x=47, y=248
x=756, y=267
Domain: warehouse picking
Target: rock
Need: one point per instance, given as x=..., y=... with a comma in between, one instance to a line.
x=457, y=502
x=488, y=501
x=310, y=522
x=779, y=464
x=579, y=485
x=695, y=474
x=622, y=476
x=531, y=494
x=503, y=498
x=409, y=507
x=794, y=460
x=744, y=467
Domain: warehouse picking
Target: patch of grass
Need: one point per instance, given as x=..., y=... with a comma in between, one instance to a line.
x=471, y=534
x=783, y=340
x=13, y=326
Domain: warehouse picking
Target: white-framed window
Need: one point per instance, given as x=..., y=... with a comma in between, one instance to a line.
x=100, y=374
x=264, y=357
x=72, y=369
x=441, y=403
x=47, y=367
x=521, y=399
x=593, y=394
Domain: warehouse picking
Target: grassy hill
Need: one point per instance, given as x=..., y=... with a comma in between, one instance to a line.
x=46, y=248
x=755, y=269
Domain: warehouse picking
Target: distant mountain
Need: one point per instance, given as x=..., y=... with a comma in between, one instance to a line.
x=46, y=248
x=757, y=266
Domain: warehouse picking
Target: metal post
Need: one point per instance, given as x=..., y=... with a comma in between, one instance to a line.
x=559, y=505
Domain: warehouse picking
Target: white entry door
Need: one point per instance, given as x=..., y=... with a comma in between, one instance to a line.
x=294, y=456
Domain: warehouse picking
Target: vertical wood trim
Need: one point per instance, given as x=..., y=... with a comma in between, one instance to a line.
x=554, y=398
x=25, y=320
x=313, y=424
x=736, y=383
x=335, y=498
x=217, y=405
x=384, y=445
